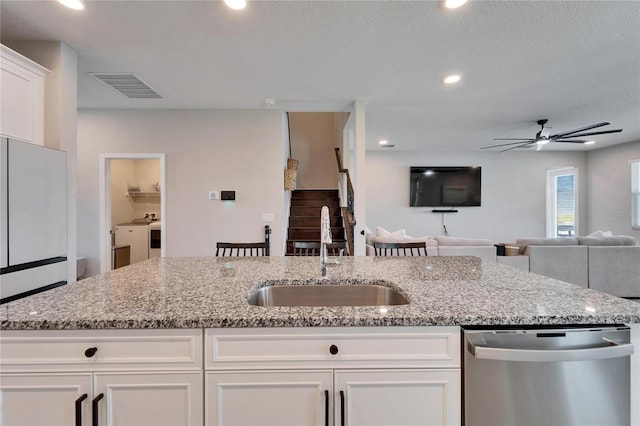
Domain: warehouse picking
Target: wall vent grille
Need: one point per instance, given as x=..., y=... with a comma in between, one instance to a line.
x=128, y=84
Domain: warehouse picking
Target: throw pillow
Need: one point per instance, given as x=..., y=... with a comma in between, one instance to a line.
x=381, y=232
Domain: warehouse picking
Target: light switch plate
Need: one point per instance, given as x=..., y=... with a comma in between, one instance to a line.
x=268, y=217
x=213, y=195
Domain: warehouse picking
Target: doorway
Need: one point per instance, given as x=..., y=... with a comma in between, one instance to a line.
x=135, y=192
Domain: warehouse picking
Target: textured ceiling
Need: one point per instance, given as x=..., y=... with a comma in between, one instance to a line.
x=573, y=62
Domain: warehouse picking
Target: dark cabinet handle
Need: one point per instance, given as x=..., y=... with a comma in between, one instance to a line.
x=94, y=409
x=90, y=352
x=341, y=408
x=326, y=408
x=79, y=409
x=333, y=349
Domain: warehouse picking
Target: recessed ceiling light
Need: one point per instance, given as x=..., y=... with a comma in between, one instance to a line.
x=269, y=101
x=452, y=79
x=72, y=4
x=589, y=142
x=383, y=142
x=236, y=4
x=453, y=4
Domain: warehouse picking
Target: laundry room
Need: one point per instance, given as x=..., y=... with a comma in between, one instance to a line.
x=135, y=210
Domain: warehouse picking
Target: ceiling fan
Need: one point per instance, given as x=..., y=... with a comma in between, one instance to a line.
x=544, y=136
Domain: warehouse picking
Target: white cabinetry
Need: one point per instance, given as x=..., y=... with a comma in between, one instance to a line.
x=268, y=397
x=22, y=97
x=44, y=399
x=137, y=238
x=129, y=377
x=337, y=376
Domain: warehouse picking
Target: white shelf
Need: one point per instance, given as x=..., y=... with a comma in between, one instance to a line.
x=143, y=194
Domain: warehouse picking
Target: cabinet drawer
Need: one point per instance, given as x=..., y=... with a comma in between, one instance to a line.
x=384, y=347
x=124, y=349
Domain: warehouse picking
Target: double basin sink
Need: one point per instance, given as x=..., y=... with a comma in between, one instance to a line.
x=326, y=293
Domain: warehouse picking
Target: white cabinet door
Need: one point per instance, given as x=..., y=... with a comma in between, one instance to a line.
x=21, y=97
x=37, y=203
x=397, y=397
x=44, y=399
x=268, y=398
x=149, y=399
x=137, y=238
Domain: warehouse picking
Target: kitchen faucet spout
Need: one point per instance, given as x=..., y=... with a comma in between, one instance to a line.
x=325, y=238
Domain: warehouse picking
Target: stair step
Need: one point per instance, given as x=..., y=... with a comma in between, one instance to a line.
x=314, y=193
x=313, y=211
x=309, y=221
x=315, y=202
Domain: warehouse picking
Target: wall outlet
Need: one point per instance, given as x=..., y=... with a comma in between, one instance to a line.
x=268, y=217
x=213, y=195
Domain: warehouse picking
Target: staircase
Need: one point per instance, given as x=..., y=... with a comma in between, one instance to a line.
x=304, y=216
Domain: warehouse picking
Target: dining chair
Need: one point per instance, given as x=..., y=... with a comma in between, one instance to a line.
x=242, y=249
x=312, y=248
x=400, y=249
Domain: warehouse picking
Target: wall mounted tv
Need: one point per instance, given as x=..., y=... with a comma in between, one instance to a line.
x=445, y=186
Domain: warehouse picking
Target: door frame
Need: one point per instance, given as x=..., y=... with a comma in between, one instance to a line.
x=105, y=203
x=551, y=206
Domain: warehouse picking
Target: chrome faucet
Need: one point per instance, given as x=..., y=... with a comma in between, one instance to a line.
x=325, y=238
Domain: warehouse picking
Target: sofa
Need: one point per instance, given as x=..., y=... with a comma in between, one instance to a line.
x=436, y=246
x=607, y=263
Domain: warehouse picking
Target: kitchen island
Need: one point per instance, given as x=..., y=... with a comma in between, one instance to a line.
x=176, y=323
x=213, y=292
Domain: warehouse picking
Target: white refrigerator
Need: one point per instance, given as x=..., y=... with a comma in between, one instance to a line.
x=137, y=237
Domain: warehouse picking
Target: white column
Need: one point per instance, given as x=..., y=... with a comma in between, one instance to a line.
x=359, y=181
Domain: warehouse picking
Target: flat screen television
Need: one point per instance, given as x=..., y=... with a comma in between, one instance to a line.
x=445, y=186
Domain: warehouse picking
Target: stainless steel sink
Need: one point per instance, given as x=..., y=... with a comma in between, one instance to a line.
x=326, y=295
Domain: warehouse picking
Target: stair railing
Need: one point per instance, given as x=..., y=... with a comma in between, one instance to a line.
x=348, y=217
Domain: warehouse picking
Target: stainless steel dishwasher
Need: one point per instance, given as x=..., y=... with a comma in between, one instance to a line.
x=547, y=376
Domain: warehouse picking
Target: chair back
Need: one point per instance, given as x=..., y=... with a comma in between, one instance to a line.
x=242, y=249
x=400, y=249
x=312, y=248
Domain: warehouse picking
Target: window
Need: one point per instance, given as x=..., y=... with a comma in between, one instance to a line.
x=635, y=194
x=562, y=202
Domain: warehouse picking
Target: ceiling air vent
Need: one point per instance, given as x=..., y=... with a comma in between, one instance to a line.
x=127, y=84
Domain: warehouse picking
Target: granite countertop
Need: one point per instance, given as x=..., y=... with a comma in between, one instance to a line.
x=212, y=292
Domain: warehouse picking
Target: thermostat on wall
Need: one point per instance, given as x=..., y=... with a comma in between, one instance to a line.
x=228, y=195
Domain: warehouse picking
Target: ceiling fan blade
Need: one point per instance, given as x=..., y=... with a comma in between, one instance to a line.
x=519, y=146
x=513, y=139
x=582, y=129
x=603, y=132
x=505, y=144
x=570, y=140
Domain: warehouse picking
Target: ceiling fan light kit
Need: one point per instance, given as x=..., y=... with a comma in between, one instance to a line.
x=544, y=136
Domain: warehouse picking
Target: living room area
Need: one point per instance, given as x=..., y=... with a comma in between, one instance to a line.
x=514, y=211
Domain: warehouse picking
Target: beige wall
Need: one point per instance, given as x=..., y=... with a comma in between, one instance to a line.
x=313, y=141
x=122, y=207
x=609, y=183
x=513, y=193
x=206, y=150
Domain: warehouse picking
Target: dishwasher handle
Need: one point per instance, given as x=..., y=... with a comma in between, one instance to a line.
x=549, y=355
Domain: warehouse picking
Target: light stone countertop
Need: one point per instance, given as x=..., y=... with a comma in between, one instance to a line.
x=212, y=292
